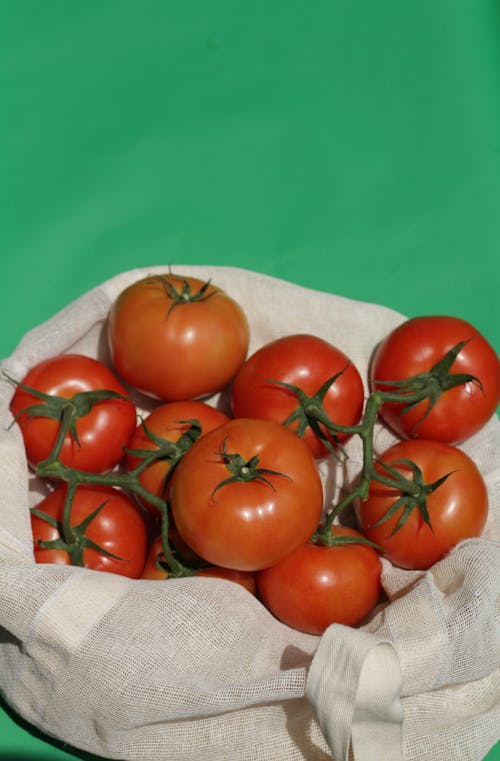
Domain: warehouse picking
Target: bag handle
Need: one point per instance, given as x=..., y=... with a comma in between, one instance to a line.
x=354, y=685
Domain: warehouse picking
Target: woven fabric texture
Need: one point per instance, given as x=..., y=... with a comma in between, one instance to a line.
x=197, y=668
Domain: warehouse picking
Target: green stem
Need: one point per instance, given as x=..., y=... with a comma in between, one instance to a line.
x=128, y=481
x=67, y=422
x=365, y=431
x=67, y=530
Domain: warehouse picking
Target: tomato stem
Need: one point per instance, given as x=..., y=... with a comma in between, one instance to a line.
x=369, y=473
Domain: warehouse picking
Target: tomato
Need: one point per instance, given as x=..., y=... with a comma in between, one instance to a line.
x=174, y=423
x=177, y=347
x=101, y=432
x=307, y=362
x=457, y=509
x=246, y=494
x=156, y=568
x=119, y=528
x=415, y=347
x=318, y=585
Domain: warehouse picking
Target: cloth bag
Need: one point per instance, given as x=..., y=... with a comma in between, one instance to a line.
x=197, y=668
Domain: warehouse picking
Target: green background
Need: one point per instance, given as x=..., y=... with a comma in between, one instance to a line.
x=349, y=146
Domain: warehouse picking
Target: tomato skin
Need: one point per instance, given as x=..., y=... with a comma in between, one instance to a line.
x=458, y=509
x=247, y=525
x=166, y=422
x=316, y=586
x=119, y=528
x=305, y=361
x=190, y=352
x=414, y=347
x=102, y=433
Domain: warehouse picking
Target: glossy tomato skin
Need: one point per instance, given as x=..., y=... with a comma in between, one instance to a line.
x=168, y=421
x=413, y=348
x=305, y=361
x=247, y=525
x=180, y=352
x=316, y=586
x=458, y=509
x=102, y=433
x=119, y=528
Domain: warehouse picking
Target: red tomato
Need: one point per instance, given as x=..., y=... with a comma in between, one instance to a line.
x=413, y=348
x=102, y=432
x=168, y=423
x=119, y=528
x=316, y=585
x=253, y=522
x=307, y=362
x=177, y=347
x=156, y=568
x=457, y=509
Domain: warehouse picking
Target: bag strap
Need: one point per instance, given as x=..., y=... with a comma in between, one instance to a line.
x=354, y=684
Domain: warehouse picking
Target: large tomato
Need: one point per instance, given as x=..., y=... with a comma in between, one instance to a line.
x=316, y=585
x=176, y=337
x=246, y=494
x=170, y=429
x=457, y=509
x=306, y=362
x=415, y=347
x=97, y=442
x=118, y=528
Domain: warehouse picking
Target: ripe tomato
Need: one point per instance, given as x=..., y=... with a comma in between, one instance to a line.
x=246, y=494
x=457, y=509
x=177, y=338
x=119, y=528
x=156, y=568
x=316, y=585
x=307, y=362
x=101, y=432
x=413, y=348
x=171, y=431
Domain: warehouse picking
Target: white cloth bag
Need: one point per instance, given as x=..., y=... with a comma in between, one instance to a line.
x=197, y=668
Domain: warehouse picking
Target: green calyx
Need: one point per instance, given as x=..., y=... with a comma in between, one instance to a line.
x=184, y=294
x=243, y=471
x=60, y=408
x=168, y=451
x=328, y=539
x=414, y=492
x=72, y=539
x=310, y=413
x=429, y=385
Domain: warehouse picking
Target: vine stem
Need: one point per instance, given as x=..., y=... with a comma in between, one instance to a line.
x=53, y=468
x=365, y=431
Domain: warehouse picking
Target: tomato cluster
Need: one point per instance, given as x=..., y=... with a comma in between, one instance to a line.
x=191, y=489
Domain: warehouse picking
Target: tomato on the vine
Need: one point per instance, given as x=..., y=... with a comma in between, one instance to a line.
x=456, y=508
x=415, y=347
x=157, y=568
x=176, y=337
x=318, y=585
x=118, y=529
x=168, y=432
x=101, y=429
x=246, y=494
x=305, y=362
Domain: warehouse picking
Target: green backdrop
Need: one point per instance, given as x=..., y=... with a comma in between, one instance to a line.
x=347, y=145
